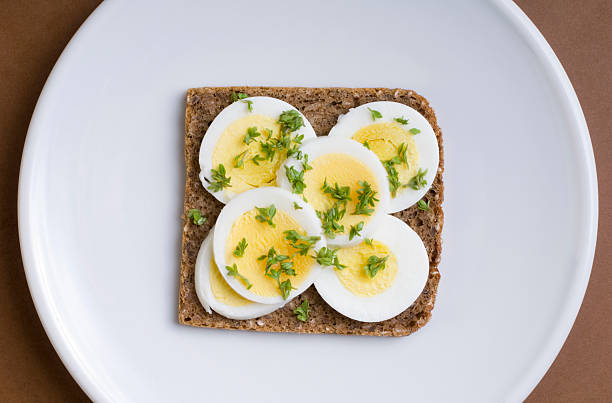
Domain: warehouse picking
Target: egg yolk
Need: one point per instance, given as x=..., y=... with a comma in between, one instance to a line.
x=260, y=237
x=346, y=171
x=237, y=157
x=354, y=278
x=222, y=291
x=384, y=140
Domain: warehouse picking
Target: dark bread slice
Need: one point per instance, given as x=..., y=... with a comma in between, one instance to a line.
x=321, y=106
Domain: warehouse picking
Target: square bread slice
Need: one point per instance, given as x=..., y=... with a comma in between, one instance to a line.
x=321, y=106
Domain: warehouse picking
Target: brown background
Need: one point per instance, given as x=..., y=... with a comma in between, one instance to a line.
x=32, y=36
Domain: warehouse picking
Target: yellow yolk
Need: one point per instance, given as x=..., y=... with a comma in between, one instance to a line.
x=222, y=291
x=384, y=139
x=260, y=238
x=354, y=278
x=346, y=171
x=231, y=144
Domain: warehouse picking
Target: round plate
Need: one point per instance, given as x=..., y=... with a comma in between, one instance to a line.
x=101, y=193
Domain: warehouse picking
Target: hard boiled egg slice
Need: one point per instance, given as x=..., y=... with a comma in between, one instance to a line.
x=382, y=278
x=246, y=143
x=402, y=139
x=214, y=292
x=263, y=244
x=344, y=182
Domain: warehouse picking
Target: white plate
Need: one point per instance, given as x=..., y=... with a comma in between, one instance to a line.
x=101, y=187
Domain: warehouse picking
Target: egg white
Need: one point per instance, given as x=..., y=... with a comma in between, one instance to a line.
x=267, y=106
x=426, y=142
x=327, y=145
x=412, y=274
x=206, y=296
x=262, y=197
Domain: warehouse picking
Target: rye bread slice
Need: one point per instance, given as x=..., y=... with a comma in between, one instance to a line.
x=321, y=106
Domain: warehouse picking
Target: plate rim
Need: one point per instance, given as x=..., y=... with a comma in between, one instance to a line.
x=86, y=378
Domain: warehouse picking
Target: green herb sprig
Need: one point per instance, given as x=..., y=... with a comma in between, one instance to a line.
x=241, y=97
x=302, y=243
x=219, y=180
x=296, y=178
x=284, y=267
x=366, y=199
x=251, y=135
x=330, y=220
x=328, y=257
x=239, y=159
x=375, y=114
x=302, y=311
x=401, y=120
x=418, y=181
x=392, y=176
x=355, y=230
x=266, y=214
x=233, y=271
x=196, y=215
x=422, y=205
x=340, y=193
x=240, y=248
x=290, y=121
x=374, y=265
x=305, y=165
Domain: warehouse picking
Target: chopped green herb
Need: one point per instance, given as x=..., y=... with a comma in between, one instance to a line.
x=219, y=180
x=268, y=148
x=422, y=205
x=239, y=159
x=366, y=199
x=366, y=145
x=327, y=257
x=375, y=114
x=233, y=271
x=196, y=216
x=305, y=165
x=287, y=268
x=300, y=242
x=284, y=267
x=249, y=104
x=414, y=130
x=401, y=120
x=418, y=181
x=285, y=288
x=368, y=241
x=297, y=206
x=329, y=221
x=235, y=97
x=257, y=158
x=355, y=229
x=294, y=151
x=340, y=193
x=251, y=134
x=283, y=142
x=290, y=121
x=302, y=311
x=401, y=153
x=266, y=214
x=296, y=178
x=272, y=258
x=242, y=245
x=392, y=176
x=375, y=264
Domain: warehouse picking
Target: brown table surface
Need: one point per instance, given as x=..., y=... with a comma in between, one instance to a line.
x=32, y=35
